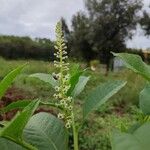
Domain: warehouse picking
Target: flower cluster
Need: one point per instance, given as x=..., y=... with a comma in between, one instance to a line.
x=63, y=77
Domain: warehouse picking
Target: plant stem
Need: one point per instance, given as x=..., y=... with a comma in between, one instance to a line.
x=51, y=105
x=75, y=133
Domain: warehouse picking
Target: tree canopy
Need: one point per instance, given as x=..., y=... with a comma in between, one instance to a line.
x=145, y=22
x=104, y=27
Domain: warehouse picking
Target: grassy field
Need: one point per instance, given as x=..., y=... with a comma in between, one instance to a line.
x=95, y=134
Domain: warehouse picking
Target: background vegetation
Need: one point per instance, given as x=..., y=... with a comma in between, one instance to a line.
x=121, y=109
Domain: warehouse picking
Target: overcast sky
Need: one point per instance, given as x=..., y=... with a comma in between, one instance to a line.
x=37, y=18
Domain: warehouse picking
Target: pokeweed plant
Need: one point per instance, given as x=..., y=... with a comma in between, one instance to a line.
x=45, y=131
x=137, y=137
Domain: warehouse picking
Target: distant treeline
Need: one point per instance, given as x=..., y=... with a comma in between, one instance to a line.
x=14, y=47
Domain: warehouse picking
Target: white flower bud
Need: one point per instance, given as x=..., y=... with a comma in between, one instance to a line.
x=62, y=102
x=69, y=99
x=70, y=107
x=57, y=88
x=60, y=95
x=60, y=116
x=56, y=96
x=68, y=125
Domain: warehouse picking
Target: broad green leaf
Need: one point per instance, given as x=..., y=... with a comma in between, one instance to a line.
x=46, y=132
x=8, y=79
x=142, y=135
x=9, y=145
x=139, y=140
x=15, y=105
x=100, y=95
x=45, y=78
x=134, y=127
x=125, y=141
x=79, y=87
x=145, y=100
x=14, y=130
x=135, y=63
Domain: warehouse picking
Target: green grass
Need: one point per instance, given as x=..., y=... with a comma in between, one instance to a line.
x=97, y=128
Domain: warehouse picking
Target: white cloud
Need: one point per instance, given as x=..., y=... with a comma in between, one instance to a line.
x=139, y=40
x=35, y=17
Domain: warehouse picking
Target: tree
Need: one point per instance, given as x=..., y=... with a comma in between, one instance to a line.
x=67, y=34
x=81, y=46
x=106, y=27
x=145, y=22
x=111, y=23
x=65, y=28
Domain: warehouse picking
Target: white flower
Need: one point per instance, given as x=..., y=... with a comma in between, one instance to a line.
x=68, y=125
x=60, y=116
x=57, y=88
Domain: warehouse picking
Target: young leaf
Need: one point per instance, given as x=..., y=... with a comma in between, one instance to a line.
x=45, y=131
x=45, y=78
x=8, y=79
x=135, y=63
x=20, y=104
x=139, y=140
x=100, y=95
x=73, y=81
x=14, y=130
x=74, y=69
x=79, y=87
x=145, y=100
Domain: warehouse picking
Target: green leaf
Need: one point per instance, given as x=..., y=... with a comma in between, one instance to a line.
x=46, y=132
x=20, y=104
x=124, y=141
x=8, y=79
x=145, y=100
x=135, y=63
x=134, y=127
x=73, y=81
x=14, y=130
x=142, y=135
x=3, y=123
x=74, y=69
x=79, y=87
x=75, y=73
x=139, y=140
x=15, y=105
x=45, y=78
x=9, y=145
x=100, y=95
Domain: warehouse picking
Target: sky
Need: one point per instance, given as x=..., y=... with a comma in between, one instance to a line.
x=37, y=18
